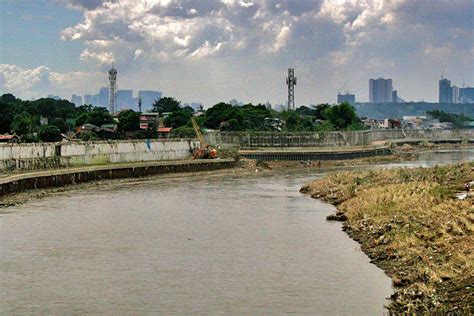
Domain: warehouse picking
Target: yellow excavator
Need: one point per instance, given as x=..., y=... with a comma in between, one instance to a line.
x=205, y=151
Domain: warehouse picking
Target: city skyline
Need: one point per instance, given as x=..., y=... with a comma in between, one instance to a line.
x=213, y=51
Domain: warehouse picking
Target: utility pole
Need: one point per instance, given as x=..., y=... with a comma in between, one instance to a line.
x=139, y=104
x=291, y=82
x=113, y=89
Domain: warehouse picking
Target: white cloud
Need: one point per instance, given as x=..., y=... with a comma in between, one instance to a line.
x=217, y=39
x=41, y=81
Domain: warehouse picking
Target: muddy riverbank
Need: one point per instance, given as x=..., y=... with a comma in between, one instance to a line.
x=245, y=167
x=415, y=224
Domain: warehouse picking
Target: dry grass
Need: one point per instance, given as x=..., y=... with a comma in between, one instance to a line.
x=411, y=225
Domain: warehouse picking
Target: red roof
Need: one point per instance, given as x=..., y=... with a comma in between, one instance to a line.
x=164, y=129
x=7, y=137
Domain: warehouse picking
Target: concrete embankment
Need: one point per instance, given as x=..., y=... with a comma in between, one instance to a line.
x=60, y=177
x=415, y=224
x=341, y=139
x=40, y=156
x=305, y=155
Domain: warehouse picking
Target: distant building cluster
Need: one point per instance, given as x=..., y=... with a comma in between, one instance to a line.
x=125, y=99
x=452, y=94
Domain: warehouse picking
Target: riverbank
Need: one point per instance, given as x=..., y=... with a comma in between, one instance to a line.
x=242, y=167
x=415, y=224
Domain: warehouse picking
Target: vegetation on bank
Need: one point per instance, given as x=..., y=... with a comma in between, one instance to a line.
x=412, y=225
x=458, y=120
x=27, y=118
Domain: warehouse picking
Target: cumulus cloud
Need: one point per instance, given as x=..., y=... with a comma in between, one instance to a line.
x=330, y=39
x=41, y=81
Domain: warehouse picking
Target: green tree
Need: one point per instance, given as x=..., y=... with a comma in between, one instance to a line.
x=165, y=104
x=6, y=116
x=22, y=123
x=60, y=124
x=458, y=120
x=341, y=116
x=291, y=119
x=221, y=112
x=178, y=118
x=49, y=133
x=8, y=98
x=97, y=116
x=129, y=121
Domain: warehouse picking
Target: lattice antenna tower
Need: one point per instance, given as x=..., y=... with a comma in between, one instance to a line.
x=291, y=83
x=113, y=89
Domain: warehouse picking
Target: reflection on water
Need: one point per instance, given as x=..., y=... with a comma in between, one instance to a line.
x=196, y=245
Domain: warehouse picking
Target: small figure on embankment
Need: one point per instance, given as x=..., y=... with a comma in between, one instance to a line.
x=412, y=225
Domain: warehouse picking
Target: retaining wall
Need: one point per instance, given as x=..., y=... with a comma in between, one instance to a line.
x=328, y=139
x=54, y=155
x=315, y=155
x=61, y=177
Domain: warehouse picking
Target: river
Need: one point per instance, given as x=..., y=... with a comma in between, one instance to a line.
x=188, y=245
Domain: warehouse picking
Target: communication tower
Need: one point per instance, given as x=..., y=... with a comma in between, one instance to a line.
x=113, y=89
x=291, y=82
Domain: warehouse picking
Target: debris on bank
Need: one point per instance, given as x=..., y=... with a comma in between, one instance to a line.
x=413, y=225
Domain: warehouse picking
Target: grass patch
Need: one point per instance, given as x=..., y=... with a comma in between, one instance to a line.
x=411, y=224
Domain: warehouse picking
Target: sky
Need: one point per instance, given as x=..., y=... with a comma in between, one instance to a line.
x=216, y=50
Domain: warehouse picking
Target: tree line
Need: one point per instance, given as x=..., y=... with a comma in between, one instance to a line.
x=46, y=119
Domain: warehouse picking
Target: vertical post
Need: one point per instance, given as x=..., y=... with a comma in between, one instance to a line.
x=291, y=82
x=113, y=89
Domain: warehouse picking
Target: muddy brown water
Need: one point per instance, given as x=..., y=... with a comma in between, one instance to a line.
x=200, y=245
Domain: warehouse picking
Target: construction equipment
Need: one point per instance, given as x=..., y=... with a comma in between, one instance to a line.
x=205, y=151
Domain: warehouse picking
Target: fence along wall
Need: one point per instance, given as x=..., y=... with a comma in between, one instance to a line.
x=326, y=139
x=54, y=155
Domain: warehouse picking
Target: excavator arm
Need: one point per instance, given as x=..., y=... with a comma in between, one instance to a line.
x=197, y=130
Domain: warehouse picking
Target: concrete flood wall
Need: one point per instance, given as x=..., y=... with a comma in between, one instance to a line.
x=61, y=177
x=55, y=155
x=329, y=139
x=314, y=155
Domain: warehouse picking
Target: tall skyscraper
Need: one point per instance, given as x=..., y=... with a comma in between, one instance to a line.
x=466, y=95
x=88, y=99
x=125, y=100
x=445, y=91
x=380, y=90
x=148, y=98
x=346, y=97
x=394, y=96
x=103, y=97
x=455, y=94
x=76, y=99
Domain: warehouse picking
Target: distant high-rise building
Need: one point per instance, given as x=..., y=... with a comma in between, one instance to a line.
x=380, y=90
x=76, y=99
x=196, y=106
x=148, y=98
x=455, y=94
x=445, y=91
x=394, y=96
x=347, y=97
x=88, y=99
x=103, y=99
x=125, y=99
x=466, y=95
